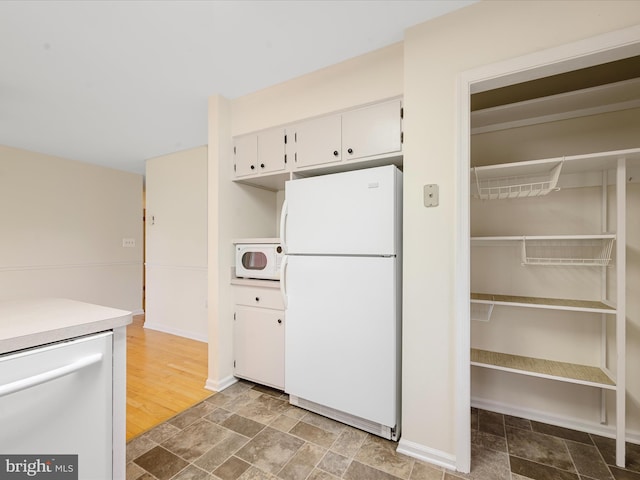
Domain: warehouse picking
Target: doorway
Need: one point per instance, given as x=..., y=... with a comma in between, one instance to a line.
x=485, y=81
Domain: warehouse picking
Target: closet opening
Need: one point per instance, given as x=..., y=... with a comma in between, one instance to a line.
x=547, y=146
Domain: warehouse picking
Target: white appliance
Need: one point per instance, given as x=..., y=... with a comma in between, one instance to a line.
x=258, y=258
x=75, y=378
x=341, y=281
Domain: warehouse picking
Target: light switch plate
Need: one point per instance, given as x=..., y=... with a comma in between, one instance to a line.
x=431, y=197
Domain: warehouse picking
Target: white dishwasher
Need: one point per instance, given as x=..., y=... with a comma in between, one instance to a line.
x=56, y=400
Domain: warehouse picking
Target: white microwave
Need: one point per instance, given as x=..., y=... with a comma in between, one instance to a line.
x=259, y=260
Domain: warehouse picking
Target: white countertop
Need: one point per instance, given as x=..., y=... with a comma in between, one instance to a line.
x=33, y=322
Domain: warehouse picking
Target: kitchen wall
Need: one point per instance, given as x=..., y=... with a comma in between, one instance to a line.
x=63, y=223
x=176, y=244
x=424, y=68
x=435, y=54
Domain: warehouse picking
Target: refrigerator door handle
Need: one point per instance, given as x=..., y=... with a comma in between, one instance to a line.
x=283, y=280
x=283, y=225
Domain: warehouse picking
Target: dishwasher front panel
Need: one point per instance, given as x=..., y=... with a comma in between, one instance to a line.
x=57, y=400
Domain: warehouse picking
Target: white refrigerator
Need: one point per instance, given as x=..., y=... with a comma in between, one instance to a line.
x=341, y=280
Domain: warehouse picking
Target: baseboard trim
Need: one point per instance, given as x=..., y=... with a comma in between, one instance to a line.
x=176, y=331
x=427, y=454
x=559, y=421
x=218, y=386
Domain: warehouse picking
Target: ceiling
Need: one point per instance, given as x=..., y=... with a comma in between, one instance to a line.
x=117, y=82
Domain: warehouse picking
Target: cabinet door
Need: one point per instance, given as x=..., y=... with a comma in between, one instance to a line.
x=245, y=155
x=318, y=141
x=271, y=151
x=258, y=343
x=371, y=131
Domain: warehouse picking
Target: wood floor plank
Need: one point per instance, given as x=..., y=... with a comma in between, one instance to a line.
x=166, y=375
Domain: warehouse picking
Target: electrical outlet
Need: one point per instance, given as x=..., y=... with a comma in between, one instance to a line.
x=128, y=242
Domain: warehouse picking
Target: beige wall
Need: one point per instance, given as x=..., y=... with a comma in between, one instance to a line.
x=362, y=80
x=62, y=228
x=176, y=243
x=436, y=52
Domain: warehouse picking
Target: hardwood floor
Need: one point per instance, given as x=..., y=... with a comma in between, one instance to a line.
x=165, y=376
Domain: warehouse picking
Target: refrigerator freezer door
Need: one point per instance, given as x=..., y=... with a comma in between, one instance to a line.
x=342, y=334
x=350, y=213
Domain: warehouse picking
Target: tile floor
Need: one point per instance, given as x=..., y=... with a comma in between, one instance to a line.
x=249, y=432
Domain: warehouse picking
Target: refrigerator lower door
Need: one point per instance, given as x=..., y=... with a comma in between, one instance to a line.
x=342, y=335
x=57, y=400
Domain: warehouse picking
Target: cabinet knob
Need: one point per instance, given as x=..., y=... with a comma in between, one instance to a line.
x=253, y=167
x=257, y=299
x=279, y=320
x=262, y=165
x=350, y=151
x=335, y=153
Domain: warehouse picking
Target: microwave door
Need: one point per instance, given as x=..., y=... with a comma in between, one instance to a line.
x=258, y=261
x=253, y=260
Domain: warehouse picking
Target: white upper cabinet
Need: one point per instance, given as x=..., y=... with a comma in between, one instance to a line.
x=367, y=132
x=368, y=136
x=271, y=151
x=245, y=155
x=260, y=153
x=370, y=131
x=317, y=141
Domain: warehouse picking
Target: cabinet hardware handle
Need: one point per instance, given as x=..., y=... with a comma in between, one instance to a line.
x=350, y=151
x=262, y=165
x=257, y=299
x=253, y=167
x=335, y=153
x=279, y=320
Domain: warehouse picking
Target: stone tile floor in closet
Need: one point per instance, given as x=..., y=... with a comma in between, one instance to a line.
x=249, y=432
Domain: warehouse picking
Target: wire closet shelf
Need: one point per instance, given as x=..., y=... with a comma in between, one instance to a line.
x=588, y=252
x=532, y=184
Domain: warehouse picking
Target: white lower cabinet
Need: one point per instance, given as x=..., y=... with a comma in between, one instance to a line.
x=258, y=338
